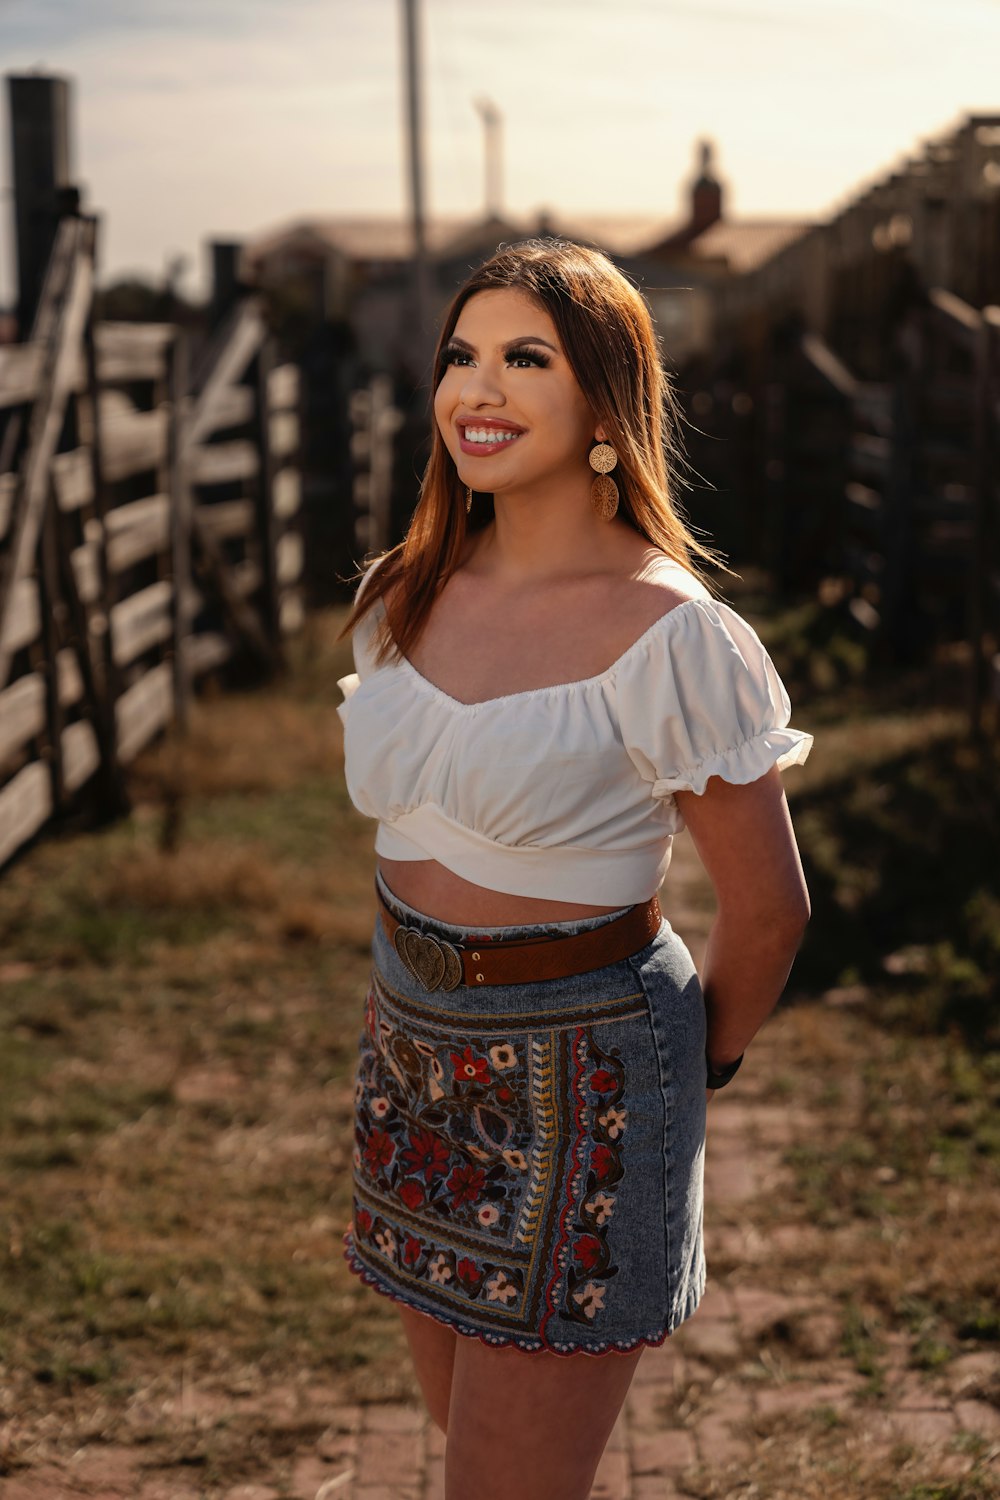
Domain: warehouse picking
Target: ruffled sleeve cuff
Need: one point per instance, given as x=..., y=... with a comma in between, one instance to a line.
x=701, y=697
x=742, y=763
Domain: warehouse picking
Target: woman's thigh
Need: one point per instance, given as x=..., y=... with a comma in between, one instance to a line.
x=530, y=1425
x=432, y=1349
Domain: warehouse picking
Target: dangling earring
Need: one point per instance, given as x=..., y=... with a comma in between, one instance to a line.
x=604, y=491
x=468, y=499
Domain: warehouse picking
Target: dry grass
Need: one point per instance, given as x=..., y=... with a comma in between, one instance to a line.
x=898, y=1177
x=179, y=1031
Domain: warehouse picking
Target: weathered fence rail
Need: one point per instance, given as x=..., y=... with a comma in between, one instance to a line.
x=149, y=532
x=884, y=492
x=921, y=538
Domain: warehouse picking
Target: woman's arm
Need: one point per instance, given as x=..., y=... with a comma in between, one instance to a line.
x=744, y=837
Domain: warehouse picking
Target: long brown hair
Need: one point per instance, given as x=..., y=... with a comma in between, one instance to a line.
x=608, y=338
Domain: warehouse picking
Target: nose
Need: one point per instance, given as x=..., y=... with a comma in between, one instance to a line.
x=481, y=387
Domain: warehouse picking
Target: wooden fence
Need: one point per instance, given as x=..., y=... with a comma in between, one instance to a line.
x=892, y=487
x=148, y=533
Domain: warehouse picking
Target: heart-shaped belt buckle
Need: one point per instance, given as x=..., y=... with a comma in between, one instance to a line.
x=437, y=965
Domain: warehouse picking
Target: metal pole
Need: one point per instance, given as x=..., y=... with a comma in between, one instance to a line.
x=492, y=120
x=421, y=269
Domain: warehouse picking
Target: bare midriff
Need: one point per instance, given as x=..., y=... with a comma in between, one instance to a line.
x=431, y=888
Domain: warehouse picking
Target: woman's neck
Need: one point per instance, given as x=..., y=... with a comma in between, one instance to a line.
x=532, y=541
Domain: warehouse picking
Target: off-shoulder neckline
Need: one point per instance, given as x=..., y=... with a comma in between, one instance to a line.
x=556, y=687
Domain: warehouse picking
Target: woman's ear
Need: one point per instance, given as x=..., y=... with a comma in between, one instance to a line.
x=600, y=435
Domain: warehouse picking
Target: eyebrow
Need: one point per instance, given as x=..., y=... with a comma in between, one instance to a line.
x=528, y=338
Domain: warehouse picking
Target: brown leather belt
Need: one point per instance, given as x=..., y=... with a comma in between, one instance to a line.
x=440, y=963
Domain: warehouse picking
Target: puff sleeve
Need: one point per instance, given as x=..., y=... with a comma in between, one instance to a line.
x=701, y=697
x=361, y=639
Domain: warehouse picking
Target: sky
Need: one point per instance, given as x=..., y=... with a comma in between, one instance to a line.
x=220, y=119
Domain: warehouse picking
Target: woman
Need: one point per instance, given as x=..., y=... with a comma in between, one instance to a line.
x=546, y=691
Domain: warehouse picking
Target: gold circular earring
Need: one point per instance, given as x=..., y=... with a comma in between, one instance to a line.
x=468, y=499
x=604, y=491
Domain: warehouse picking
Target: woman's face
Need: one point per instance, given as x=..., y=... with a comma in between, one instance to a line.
x=508, y=405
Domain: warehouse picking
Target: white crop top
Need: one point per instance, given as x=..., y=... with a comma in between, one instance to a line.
x=565, y=792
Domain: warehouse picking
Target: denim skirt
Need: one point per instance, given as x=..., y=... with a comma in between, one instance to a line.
x=529, y=1158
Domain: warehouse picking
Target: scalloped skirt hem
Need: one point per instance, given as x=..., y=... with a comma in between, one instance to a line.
x=526, y=1343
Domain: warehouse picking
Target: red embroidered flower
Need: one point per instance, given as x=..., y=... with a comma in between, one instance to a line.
x=412, y=1249
x=412, y=1194
x=602, y=1161
x=466, y=1184
x=505, y=1095
x=426, y=1153
x=362, y=1221
x=469, y=1273
x=379, y=1150
x=603, y=1082
x=469, y=1069
x=587, y=1251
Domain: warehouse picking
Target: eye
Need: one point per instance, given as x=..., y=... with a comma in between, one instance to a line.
x=524, y=356
x=452, y=355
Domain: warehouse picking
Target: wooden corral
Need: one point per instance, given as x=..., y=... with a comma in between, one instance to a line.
x=149, y=532
x=851, y=413
x=933, y=222
x=883, y=494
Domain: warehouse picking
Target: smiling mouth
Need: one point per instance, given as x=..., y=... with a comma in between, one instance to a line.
x=483, y=441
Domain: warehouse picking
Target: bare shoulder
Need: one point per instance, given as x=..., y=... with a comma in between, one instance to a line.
x=659, y=582
x=642, y=586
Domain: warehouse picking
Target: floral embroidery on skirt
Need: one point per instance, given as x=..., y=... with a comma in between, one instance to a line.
x=512, y=1165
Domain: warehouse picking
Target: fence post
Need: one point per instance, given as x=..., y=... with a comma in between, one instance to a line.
x=375, y=422
x=66, y=293
x=94, y=626
x=53, y=612
x=774, y=435
x=896, y=607
x=984, y=562
x=40, y=119
x=267, y=531
x=179, y=495
x=991, y=317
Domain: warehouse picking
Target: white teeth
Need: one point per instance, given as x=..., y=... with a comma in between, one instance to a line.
x=489, y=435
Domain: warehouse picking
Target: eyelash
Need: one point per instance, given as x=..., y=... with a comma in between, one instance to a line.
x=452, y=355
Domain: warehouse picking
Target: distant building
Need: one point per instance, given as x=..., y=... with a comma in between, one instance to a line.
x=357, y=269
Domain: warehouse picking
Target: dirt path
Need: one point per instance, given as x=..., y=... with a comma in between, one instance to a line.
x=759, y=1395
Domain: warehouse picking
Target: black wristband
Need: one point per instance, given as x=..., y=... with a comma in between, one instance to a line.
x=718, y=1080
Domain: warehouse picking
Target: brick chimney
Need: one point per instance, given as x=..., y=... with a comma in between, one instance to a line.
x=706, y=193
x=706, y=208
